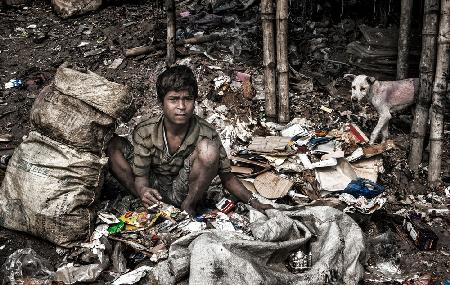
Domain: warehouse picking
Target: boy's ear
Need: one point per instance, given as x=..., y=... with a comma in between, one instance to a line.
x=349, y=77
x=370, y=80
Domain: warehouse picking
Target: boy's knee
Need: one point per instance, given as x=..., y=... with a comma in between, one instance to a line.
x=207, y=152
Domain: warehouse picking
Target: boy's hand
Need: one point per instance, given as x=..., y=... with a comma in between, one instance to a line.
x=149, y=196
x=260, y=206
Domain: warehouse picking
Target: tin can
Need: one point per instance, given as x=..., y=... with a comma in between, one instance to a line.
x=225, y=205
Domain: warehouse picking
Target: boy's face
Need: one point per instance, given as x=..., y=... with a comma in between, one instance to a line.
x=178, y=107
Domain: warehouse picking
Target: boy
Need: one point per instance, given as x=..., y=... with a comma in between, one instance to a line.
x=177, y=155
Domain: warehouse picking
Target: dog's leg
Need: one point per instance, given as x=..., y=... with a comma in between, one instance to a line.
x=385, y=116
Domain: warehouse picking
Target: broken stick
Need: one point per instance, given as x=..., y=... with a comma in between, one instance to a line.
x=195, y=40
x=171, y=29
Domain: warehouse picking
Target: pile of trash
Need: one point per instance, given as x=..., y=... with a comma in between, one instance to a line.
x=281, y=163
x=378, y=51
x=164, y=245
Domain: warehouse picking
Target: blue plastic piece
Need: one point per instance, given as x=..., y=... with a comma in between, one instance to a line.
x=320, y=140
x=363, y=187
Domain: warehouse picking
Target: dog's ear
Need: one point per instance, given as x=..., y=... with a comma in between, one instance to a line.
x=349, y=77
x=370, y=80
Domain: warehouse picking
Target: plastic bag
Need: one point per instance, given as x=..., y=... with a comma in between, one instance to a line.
x=25, y=264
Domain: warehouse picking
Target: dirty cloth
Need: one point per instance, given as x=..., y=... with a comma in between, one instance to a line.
x=225, y=257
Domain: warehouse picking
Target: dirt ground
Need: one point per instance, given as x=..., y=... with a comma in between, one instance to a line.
x=34, y=41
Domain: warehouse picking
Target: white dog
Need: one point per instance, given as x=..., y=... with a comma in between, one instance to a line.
x=385, y=96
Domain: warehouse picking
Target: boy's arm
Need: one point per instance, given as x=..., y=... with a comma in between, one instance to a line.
x=119, y=166
x=149, y=196
x=235, y=187
x=141, y=167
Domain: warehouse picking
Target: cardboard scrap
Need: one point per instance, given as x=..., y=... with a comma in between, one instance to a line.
x=270, y=144
x=272, y=186
x=248, y=183
x=327, y=147
x=295, y=130
x=357, y=154
x=357, y=133
x=323, y=163
x=241, y=169
x=375, y=149
x=255, y=167
x=369, y=168
x=334, y=154
x=335, y=178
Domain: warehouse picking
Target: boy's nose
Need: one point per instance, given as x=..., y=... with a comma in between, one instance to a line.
x=181, y=104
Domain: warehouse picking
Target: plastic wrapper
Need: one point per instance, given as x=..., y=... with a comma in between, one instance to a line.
x=23, y=264
x=363, y=187
x=132, y=276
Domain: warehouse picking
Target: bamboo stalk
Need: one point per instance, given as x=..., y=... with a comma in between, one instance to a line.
x=282, y=60
x=427, y=66
x=439, y=91
x=171, y=30
x=403, y=39
x=267, y=18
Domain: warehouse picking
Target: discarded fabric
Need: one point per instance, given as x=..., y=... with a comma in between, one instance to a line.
x=363, y=187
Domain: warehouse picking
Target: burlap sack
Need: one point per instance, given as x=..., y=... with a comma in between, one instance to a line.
x=68, y=8
x=71, y=121
x=108, y=97
x=80, y=109
x=49, y=190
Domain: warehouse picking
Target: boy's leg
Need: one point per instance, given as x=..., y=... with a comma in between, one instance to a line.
x=204, y=164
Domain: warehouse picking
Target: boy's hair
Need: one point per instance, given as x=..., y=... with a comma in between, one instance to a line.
x=176, y=78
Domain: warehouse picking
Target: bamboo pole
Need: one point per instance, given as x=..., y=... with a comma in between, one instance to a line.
x=282, y=60
x=439, y=91
x=194, y=40
x=403, y=39
x=171, y=30
x=427, y=66
x=267, y=18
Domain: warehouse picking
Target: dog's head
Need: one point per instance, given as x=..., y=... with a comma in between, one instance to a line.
x=360, y=85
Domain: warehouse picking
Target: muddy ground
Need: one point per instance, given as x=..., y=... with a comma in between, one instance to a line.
x=34, y=41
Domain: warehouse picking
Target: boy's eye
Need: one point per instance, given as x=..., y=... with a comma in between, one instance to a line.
x=362, y=88
x=353, y=87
